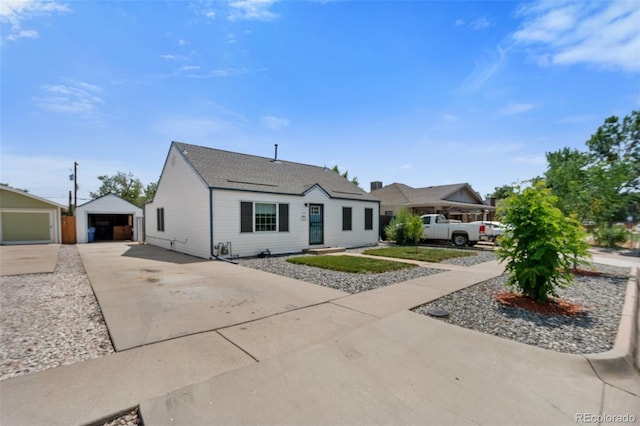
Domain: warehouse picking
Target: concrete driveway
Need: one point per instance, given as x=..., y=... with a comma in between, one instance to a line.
x=148, y=294
x=28, y=259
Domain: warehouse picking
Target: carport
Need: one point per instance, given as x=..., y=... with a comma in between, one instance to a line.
x=108, y=218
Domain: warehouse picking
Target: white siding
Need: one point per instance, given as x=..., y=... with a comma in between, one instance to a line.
x=185, y=199
x=226, y=216
x=109, y=204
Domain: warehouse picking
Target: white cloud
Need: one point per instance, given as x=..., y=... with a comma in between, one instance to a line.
x=491, y=65
x=274, y=123
x=602, y=34
x=77, y=97
x=517, y=108
x=187, y=68
x=258, y=10
x=17, y=12
x=459, y=22
x=480, y=23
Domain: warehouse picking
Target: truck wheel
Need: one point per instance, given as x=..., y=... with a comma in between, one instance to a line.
x=460, y=240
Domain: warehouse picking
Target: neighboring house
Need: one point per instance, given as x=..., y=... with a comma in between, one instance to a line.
x=457, y=201
x=28, y=219
x=110, y=217
x=207, y=197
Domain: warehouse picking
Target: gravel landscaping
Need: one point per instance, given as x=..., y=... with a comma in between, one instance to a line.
x=344, y=281
x=50, y=320
x=592, y=331
x=475, y=307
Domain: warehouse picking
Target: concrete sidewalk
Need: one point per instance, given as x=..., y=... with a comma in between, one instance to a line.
x=343, y=359
x=404, y=369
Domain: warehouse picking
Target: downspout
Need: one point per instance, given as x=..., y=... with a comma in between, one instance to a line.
x=211, y=245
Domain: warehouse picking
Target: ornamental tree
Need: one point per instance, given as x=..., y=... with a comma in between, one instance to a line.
x=542, y=246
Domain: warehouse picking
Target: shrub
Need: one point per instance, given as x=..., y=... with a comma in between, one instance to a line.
x=542, y=246
x=396, y=230
x=610, y=236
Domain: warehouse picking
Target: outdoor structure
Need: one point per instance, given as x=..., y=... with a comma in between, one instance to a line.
x=458, y=201
x=211, y=202
x=28, y=219
x=108, y=218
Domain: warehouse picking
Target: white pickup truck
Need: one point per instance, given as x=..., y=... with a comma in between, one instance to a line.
x=436, y=227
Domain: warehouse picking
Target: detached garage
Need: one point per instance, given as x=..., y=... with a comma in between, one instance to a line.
x=28, y=219
x=108, y=218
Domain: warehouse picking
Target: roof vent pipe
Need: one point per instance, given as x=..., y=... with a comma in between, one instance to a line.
x=276, y=155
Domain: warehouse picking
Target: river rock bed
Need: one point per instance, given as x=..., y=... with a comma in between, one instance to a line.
x=592, y=331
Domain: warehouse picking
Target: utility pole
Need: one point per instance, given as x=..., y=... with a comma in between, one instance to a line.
x=75, y=187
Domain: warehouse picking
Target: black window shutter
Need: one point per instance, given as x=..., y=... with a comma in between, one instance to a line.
x=246, y=216
x=283, y=221
x=346, y=218
x=368, y=218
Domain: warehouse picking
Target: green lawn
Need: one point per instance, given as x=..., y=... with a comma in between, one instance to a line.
x=360, y=265
x=424, y=254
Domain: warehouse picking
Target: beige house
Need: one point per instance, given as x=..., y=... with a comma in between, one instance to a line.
x=28, y=219
x=458, y=201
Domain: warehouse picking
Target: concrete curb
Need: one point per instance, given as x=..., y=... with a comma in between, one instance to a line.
x=619, y=367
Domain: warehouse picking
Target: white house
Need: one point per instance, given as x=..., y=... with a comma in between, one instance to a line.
x=207, y=197
x=28, y=219
x=110, y=217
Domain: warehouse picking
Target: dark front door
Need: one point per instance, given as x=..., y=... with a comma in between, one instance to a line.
x=316, y=234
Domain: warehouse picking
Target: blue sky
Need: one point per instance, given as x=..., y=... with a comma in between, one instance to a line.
x=417, y=92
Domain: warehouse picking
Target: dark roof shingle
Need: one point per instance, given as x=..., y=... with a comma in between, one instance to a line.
x=231, y=170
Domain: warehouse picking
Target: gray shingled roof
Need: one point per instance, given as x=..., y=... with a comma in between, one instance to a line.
x=231, y=170
x=400, y=194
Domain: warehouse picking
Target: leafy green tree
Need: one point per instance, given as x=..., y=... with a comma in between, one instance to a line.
x=567, y=177
x=345, y=175
x=597, y=184
x=414, y=229
x=543, y=245
x=125, y=185
x=502, y=192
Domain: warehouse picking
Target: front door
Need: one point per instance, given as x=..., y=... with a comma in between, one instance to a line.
x=316, y=233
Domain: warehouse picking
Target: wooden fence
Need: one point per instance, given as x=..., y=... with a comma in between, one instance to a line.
x=69, y=230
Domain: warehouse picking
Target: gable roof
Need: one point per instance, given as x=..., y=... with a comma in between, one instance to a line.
x=33, y=197
x=398, y=194
x=111, y=195
x=230, y=170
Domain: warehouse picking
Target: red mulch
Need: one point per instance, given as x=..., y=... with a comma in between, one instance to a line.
x=553, y=307
x=588, y=273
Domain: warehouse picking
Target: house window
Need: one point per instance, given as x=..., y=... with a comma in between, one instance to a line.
x=346, y=218
x=388, y=212
x=368, y=219
x=262, y=217
x=160, y=219
x=265, y=217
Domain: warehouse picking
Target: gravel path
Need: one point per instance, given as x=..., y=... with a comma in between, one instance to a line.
x=50, y=320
